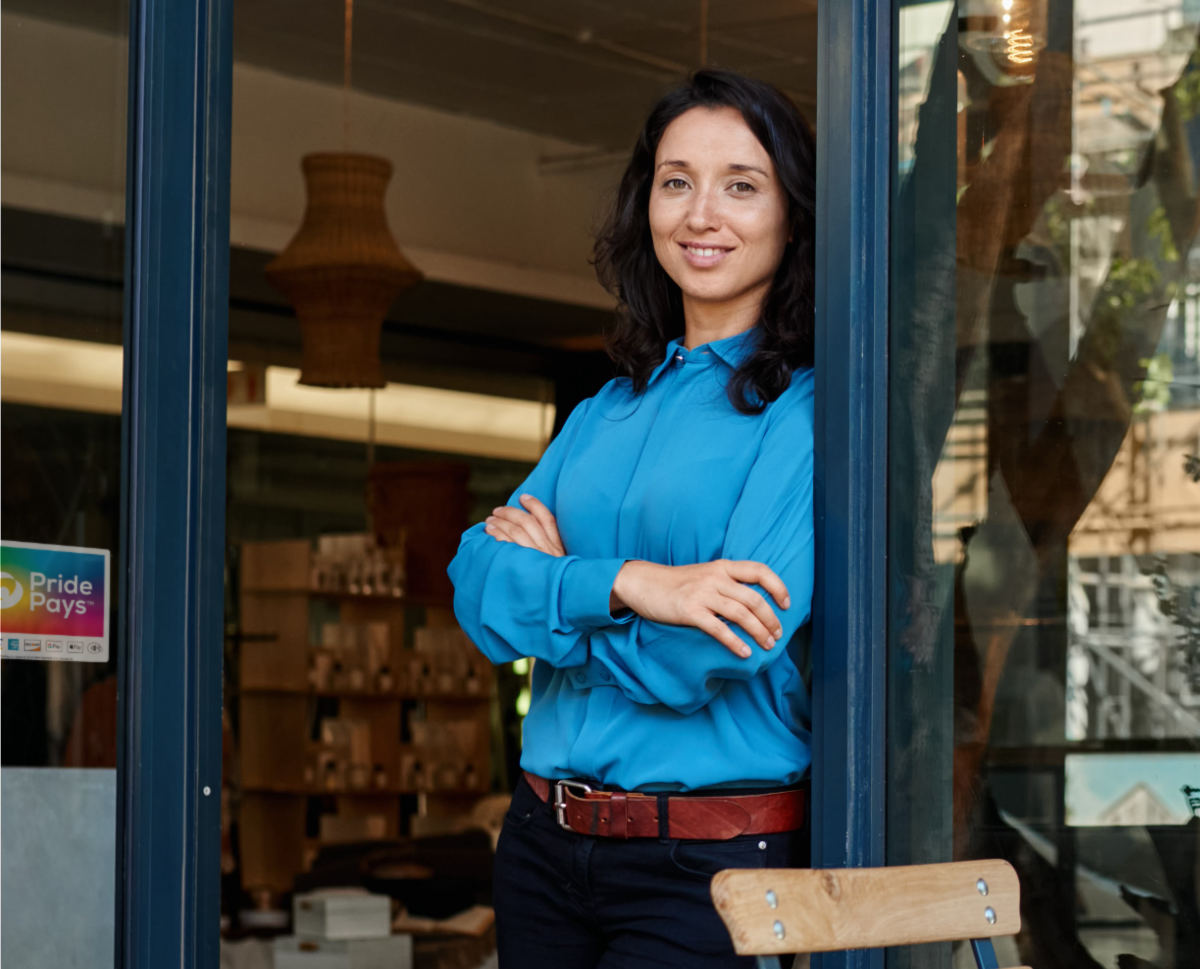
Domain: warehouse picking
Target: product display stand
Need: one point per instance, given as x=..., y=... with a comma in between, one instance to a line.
x=362, y=714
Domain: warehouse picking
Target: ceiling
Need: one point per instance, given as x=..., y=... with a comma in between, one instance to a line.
x=581, y=70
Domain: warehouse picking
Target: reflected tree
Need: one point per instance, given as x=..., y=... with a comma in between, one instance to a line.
x=1061, y=390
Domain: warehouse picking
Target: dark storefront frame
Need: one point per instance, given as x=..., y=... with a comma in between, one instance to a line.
x=854, y=147
x=174, y=442
x=173, y=483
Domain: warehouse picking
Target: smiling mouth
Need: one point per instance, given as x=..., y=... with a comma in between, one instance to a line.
x=704, y=252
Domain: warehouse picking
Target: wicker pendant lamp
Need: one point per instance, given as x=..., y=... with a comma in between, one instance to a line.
x=342, y=269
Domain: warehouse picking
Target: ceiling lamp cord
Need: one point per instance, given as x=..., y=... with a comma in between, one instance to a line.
x=347, y=56
x=347, y=76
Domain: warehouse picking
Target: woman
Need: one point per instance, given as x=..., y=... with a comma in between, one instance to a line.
x=657, y=563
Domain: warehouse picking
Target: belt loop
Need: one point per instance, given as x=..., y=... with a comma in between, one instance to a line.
x=664, y=822
x=618, y=815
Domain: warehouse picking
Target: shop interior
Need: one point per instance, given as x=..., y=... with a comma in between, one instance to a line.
x=366, y=742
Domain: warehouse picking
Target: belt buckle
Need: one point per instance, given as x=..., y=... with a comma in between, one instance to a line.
x=560, y=799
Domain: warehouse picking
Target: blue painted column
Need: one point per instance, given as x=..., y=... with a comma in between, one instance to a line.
x=173, y=487
x=854, y=139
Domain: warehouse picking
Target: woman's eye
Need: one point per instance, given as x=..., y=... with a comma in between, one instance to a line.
x=675, y=183
x=743, y=188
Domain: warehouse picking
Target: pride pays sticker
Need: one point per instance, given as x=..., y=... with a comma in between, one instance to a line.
x=54, y=594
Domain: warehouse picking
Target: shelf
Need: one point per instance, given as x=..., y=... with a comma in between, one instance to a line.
x=399, y=600
x=268, y=689
x=279, y=616
x=312, y=790
x=276, y=688
x=293, y=790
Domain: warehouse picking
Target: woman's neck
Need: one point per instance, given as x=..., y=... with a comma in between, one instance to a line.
x=708, y=322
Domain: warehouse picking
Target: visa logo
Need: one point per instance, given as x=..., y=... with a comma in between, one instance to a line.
x=33, y=645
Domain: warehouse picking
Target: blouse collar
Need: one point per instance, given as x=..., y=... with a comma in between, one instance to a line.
x=732, y=350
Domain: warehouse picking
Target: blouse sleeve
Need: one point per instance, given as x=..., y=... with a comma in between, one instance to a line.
x=684, y=668
x=514, y=601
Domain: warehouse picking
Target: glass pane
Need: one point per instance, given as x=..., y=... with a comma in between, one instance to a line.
x=64, y=103
x=354, y=714
x=1044, y=672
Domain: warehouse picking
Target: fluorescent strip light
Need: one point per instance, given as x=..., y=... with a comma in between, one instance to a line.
x=80, y=375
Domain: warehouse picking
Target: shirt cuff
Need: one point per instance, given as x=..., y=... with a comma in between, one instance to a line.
x=585, y=592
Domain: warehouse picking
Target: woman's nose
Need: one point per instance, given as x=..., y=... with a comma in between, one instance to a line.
x=704, y=212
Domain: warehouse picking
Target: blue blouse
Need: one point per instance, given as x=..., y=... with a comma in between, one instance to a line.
x=677, y=476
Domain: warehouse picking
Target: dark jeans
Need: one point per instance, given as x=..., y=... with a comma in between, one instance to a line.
x=570, y=901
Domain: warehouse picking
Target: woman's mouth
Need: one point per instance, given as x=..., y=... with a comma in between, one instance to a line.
x=703, y=256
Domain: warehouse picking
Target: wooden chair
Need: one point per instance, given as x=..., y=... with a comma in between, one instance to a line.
x=792, y=910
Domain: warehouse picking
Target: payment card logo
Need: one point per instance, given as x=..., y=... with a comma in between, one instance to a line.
x=11, y=591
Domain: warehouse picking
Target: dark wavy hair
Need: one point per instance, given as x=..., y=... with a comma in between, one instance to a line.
x=650, y=310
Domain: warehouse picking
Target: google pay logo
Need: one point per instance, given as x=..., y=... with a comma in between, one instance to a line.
x=11, y=591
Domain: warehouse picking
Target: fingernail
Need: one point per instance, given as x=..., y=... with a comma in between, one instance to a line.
x=787, y=602
x=770, y=644
x=744, y=652
x=526, y=497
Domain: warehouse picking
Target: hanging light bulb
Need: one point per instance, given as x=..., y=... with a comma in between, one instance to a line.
x=1020, y=45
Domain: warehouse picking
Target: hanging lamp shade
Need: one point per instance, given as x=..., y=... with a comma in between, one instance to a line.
x=342, y=270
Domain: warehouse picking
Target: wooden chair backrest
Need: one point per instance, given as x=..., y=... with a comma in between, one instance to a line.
x=786, y=910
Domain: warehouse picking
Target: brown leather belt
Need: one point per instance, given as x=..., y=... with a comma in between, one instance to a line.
x=629, y=814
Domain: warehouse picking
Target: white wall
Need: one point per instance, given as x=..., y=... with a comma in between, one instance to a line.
x=467, y=203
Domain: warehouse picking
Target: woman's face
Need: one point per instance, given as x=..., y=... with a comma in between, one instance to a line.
x=718, y=213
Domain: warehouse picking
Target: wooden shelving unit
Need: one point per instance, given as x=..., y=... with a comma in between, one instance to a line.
x=425, y=731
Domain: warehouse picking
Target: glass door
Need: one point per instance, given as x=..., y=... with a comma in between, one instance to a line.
x=61, y=569
x=1044, y=535
x=111, y=420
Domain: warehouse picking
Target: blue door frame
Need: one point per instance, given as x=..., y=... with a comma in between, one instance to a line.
x=173, y=483
x=854, y=155
x=173, y=421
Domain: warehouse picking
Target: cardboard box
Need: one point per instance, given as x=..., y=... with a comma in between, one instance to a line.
x=341, y=913
x=392, y=952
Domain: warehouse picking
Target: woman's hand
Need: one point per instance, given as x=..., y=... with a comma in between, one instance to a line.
x=702, y=596
x=533, y=527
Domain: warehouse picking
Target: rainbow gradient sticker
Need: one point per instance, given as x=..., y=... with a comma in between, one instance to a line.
x=53, y=602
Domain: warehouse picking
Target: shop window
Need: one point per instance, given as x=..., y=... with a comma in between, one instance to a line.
x=1044, y=678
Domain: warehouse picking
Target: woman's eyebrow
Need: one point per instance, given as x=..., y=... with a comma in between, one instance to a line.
x=733, y=166
x=748, y=168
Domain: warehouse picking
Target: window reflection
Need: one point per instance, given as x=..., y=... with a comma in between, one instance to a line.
x=1045, y=483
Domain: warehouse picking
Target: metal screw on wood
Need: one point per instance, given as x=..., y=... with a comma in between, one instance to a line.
x=779, y=933
x=989, y=913
x=982, y=886
x=772, y=899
